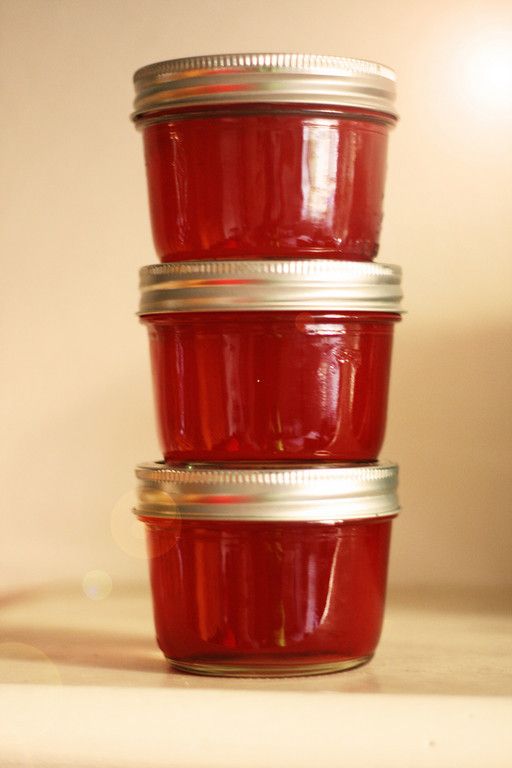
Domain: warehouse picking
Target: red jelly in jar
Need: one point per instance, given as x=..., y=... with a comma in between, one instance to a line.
x=265, y=153
x=268, y=571
x=267, y=360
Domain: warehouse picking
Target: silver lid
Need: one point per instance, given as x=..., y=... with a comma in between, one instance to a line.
x=264, y=77
x=327, y=493
x=316, y=284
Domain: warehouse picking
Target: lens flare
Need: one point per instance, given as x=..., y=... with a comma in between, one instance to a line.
x=25, y=663
x=485, y=72
x=127, y=531
x=97, y=585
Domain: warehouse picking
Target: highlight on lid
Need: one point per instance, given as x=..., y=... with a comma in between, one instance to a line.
x=264, y=77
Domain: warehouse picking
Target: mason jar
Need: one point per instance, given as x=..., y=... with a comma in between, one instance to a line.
x=271, y=360
x=267, y=570
x=275, y=154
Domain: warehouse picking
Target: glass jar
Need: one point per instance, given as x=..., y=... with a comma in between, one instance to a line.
x=278, y=154
x=271, y=360
x=267, y=571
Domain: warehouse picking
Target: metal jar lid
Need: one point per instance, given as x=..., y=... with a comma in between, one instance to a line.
x=316, y=284
x=322, y=493
x=296, y=78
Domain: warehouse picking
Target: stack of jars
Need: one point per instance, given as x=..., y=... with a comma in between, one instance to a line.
x=270, y=329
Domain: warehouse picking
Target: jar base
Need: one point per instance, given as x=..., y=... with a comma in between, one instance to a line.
x=249, y=670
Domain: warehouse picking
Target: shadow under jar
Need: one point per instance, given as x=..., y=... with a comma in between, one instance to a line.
x=265, y=153
x=267, y=571
x=264, y=361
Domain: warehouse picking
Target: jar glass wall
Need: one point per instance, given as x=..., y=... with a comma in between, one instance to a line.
x=292, y=182
x=267, y=598
x=271, y=385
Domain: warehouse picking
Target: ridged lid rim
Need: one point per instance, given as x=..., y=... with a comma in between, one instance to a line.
x=264, y=77
x=275, y=62
x=265, y=285
x=333, y=492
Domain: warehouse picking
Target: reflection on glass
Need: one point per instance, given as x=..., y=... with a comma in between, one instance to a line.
x=319, y=167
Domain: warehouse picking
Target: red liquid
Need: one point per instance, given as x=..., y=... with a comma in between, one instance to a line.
x=267, y=181
x=269, y=386
x=268, y=595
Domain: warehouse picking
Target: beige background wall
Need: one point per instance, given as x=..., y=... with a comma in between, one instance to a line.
x=76, y=407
